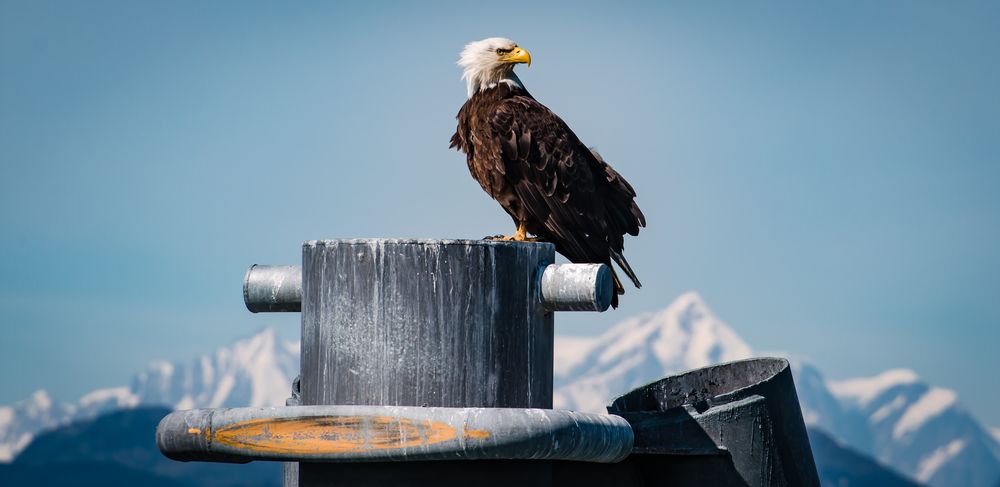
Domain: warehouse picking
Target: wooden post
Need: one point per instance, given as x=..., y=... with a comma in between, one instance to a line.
x=452, y=323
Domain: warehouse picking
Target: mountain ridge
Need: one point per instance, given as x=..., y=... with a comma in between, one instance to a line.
x=916, y=428
x=256, y=370
x=913, y=427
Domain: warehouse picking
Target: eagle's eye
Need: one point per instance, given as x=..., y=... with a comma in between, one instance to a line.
x=499, y=51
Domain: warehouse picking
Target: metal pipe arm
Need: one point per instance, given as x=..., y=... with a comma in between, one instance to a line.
x=564, y=287
x=391, y=434
x=273, y=288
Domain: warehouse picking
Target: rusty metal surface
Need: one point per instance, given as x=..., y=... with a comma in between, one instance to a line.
x=746, y=413
x=273, y=288
x=391, y=433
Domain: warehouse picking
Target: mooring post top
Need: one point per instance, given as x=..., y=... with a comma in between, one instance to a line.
x=564, y=287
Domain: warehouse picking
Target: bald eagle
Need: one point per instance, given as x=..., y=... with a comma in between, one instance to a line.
x=529, y=160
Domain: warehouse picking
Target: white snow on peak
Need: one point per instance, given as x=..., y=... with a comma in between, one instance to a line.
x=254, y=371
x=207, y=370
x=121, y=397
x=888, y=408
x=930, y=464
x=685, y=335
x=686, y=332
x=6, y=416
x=20, y=421
x=222, y=392
x=257, y=356
x=163, y=368
x=711, y=340
x=9, y=450
x=863, y=413
x=865, y=389
x=932, y=403
x=186, y=402
x=40, y=399
x=589, y=372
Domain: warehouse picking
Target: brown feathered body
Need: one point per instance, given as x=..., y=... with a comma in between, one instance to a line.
x=529, y=160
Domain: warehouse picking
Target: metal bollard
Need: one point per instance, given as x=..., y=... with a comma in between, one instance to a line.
x=429, y=323
x=429, y=362
x=417, y=356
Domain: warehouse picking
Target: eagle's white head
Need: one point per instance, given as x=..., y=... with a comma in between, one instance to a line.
x=489, y=62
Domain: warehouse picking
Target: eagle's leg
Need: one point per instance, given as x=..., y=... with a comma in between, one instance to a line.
x=520, y=235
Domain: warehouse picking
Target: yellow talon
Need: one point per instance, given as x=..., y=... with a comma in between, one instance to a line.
x=520, y=235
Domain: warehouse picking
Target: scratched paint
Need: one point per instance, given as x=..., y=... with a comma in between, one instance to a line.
x=333, y=435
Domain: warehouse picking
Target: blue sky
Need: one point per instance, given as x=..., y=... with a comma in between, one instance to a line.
x=823, y=174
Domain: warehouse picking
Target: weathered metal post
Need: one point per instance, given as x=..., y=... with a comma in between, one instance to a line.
x=425, y=323
x=417, y=356
x=429, y=362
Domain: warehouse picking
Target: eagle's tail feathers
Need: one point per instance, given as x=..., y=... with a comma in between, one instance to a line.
x=619, y=289
x=620, y=260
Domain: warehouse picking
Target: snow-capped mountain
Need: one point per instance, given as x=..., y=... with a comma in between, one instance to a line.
x=255, y=371
x=919, y=430
x=685, y=335
x=20, y=421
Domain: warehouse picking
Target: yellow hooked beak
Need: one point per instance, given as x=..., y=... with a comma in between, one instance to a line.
x=518, y=55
